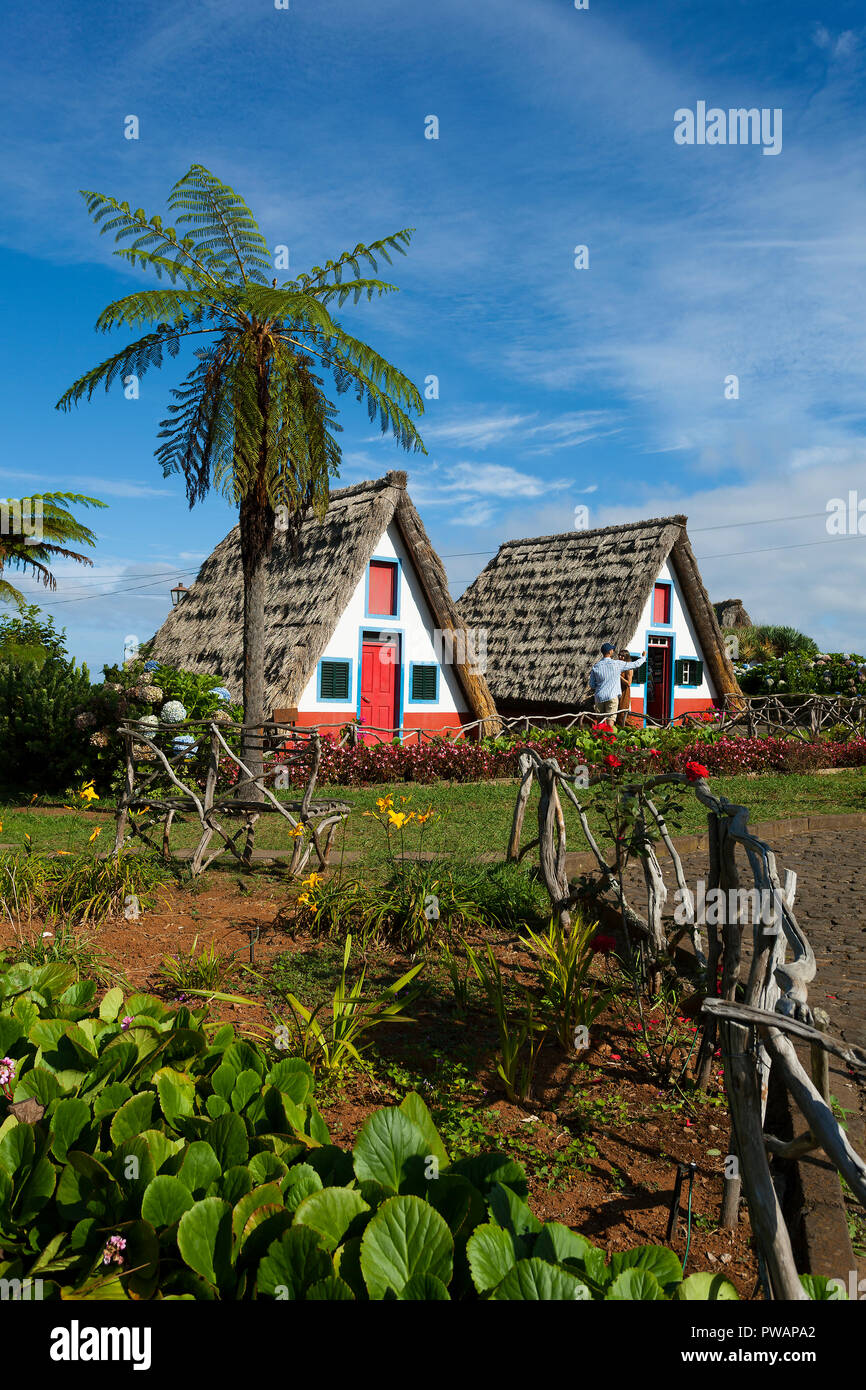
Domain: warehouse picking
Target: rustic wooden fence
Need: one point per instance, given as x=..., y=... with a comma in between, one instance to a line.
x=210, y=783
x=786, y=716
x=752, y=1013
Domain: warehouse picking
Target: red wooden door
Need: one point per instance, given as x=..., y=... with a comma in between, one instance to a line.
x=380, y=669
x=658, y=683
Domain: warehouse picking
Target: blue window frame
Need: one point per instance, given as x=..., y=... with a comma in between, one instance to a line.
x=334, y=680
x=423, y=683
x=398, y=586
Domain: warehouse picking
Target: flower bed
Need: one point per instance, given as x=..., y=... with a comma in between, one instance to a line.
x=472, y=762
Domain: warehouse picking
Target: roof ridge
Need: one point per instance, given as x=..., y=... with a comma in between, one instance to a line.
x=675, y=520
x=393, y=478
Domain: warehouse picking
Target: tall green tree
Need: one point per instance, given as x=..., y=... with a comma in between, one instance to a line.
x=34, y=531
x=252, y=418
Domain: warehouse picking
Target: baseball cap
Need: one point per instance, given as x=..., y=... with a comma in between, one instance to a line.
x=606, y=647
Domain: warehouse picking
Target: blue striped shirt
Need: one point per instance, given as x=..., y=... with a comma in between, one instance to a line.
x=604, y=677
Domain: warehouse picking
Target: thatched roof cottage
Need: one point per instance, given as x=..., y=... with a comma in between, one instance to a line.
x=548, y=604
x=360, y=622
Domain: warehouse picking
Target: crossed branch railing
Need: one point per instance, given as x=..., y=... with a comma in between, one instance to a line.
x=200, y=753
x=753, y=1018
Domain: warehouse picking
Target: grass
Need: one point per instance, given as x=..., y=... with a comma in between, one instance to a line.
x=475, y=816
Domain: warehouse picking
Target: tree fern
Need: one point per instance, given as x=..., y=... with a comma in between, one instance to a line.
x=252, y=417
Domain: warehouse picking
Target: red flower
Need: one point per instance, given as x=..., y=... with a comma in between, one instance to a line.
x=696, y=770
x=654, y=753
x=612, y=760
x=604, y=729
x=602, y=944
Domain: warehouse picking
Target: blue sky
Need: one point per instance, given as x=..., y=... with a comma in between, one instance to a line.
x=558, y=387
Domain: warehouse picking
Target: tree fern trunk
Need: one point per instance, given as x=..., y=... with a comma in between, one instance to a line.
x=257, y=532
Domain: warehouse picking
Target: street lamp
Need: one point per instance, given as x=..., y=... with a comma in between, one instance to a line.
x=177, y=593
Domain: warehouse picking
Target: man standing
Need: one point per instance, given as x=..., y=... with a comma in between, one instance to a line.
x=604, y=679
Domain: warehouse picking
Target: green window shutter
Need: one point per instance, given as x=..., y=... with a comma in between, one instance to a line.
x=334, y=682
x=423, y=682
x=639, y=675
x=688, y=671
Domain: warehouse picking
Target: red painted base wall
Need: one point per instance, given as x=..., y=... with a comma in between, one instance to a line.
x=429, y=720
x=683, y=704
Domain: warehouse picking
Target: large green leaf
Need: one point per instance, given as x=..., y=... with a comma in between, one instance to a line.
x=69, y=1119
x=332, y=1290
x=110, y=1005
x=40, y=1083
x=292, y=1076
x=657, y=1259
x=484, y=1171
x=165, y=1200
x=819, y=1287
x=228, y=1139
x=709, y=1287
x=511, y=1213
x=133, y=1116
x=330, y=1213
x=36, y=1191
x=266, y=1167
x=425, y=1288
x=534, y=1280
x=267, y=1195
x=556, y=1243
x=204, y=1238
x=638, y=1285
x=200, y=1167
x=247, y=1085
x=404, y=1238
x=293, y=1264
x=300, y=1181
x=415, y=1110
x=390, y=1150
x=176, y=1093
x=491, y=1254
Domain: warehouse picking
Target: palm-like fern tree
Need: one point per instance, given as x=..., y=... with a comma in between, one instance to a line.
x=22, y=549
x=251, y=418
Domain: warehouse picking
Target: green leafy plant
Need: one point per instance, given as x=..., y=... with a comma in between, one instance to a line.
x=147, y=1153
x=332, y=1044
x=564, y=957
x=519, y=1039
x=205, y=969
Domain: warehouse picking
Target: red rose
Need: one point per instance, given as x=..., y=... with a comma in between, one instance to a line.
x=694, y=771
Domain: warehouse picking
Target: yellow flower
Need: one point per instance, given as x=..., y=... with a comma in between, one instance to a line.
x=63, y=851
x=87, y=793
x=400, y=818
x=384, y=803
x=422, y=820
x=97, y=831
x=296, y=832
x=312, y=880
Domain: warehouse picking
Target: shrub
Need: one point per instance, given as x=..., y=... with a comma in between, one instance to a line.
x=76, y=887
x=41, y=749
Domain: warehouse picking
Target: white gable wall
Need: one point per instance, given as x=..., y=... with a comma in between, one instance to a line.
x=686, y=642
x=415, y=624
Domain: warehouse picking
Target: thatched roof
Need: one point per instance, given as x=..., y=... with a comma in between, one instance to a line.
x=548, y=604
x=306, y=595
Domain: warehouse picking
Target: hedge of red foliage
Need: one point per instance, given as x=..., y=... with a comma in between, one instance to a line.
x=370, y=764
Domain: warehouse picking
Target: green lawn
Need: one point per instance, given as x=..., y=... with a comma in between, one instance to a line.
x=474, y=818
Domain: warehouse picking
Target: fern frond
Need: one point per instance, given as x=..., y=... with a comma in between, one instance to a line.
x=133, y=360
x=225, y=226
